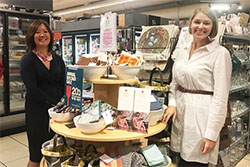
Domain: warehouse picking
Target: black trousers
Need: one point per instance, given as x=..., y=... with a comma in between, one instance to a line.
x=183, y=163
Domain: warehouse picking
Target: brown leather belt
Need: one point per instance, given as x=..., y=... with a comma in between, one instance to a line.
x=204, y=92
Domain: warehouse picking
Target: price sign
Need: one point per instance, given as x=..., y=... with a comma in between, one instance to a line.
x=73, y=88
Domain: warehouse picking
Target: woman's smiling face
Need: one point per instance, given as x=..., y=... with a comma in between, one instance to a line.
x=42, y=36
x=201, y=26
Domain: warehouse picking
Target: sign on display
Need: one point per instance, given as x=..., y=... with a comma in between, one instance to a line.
x=73, y=88
x=108, y=35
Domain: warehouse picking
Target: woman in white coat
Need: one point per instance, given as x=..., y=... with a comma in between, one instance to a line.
x=199, y=93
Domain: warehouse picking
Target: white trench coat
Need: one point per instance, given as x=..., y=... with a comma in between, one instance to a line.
x=199, y=116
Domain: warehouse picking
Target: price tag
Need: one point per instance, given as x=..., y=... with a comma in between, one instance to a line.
x=107, y=117
x=106, y=159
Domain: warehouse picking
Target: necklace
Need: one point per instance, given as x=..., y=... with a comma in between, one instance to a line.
x=43, y=57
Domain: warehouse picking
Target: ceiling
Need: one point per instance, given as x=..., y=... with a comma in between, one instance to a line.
x=77, y=8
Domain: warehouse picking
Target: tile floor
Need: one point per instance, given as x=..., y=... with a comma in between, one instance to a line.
x=14, y=152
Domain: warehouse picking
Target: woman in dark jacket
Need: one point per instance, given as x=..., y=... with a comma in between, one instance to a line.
x=43, y=74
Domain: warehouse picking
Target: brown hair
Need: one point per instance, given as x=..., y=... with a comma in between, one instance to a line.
x=209, y=13
x=30, y=43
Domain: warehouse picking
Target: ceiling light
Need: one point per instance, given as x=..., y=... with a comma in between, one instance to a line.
x=240, y=7
x=220, y=6
x=91, y=7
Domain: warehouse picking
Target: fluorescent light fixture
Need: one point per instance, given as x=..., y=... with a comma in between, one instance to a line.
x=220, y=6
x=92, y=7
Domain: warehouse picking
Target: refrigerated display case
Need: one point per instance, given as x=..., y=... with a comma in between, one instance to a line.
x=81, y=45
x=88, y=42
x=76, y=43
x=94, y=43
x=67, y=53
x=13, y=28
x=2, y=67
x=16, y=51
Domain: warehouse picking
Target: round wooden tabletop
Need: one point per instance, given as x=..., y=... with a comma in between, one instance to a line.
x=113, y=81
x=104, y=136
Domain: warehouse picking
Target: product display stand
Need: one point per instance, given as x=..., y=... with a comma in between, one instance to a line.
x=107, y=89
x=106, y=135
x=106, y=138
x=240, y=87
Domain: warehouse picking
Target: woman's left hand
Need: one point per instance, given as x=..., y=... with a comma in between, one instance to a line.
x=207, y=145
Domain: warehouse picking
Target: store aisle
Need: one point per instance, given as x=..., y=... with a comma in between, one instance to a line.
x=14, y=152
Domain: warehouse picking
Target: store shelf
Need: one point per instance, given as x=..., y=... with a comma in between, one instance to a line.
x=238, y=141
x=236, y=38
x=18, y=50
x=14, y=66
x=15, y=75
x=245, y=63
x=240, y=88
x=14, y=60
x=240, y=158
x=17, y=46
x=17, y=90
x=244, y=112
x=18, y=106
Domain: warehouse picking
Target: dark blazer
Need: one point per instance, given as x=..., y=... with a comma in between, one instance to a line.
x=44, y=87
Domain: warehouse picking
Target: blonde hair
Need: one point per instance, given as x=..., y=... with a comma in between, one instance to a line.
x=209, y=13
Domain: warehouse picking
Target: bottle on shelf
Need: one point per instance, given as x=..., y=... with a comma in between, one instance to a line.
x=239, y=128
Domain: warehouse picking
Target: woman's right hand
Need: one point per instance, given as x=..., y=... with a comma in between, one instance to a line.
x=170, y=111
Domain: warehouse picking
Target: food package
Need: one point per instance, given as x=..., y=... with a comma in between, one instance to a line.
x=124, y=120
x=93, y=60
x=243, y=19
x=92, y=113
x=129, y=59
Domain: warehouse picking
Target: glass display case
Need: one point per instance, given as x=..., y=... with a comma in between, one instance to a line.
x=94, y=43
x=13, y=28
x=17, y=29
x=81, y=42
x=88, y=41
x=67, y=54
x=1, y=67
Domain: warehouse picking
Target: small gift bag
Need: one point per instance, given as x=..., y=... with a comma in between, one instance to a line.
x=74, y=161
x=89, y=154
x=56, y=151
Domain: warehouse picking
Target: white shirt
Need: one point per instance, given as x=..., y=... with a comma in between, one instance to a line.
x=199, y=116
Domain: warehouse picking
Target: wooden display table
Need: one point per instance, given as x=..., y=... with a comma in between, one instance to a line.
x=105, y=135
x=108, y=89
x=111, y=138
